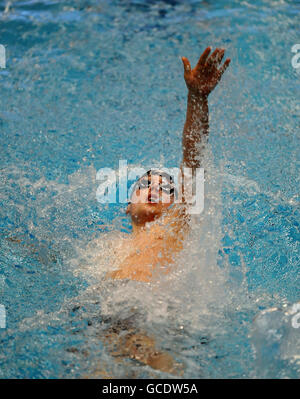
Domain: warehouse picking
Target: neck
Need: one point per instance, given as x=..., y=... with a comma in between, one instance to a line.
x=136, y=228
x=139, y=228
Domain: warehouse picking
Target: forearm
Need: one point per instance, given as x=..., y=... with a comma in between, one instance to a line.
x=196, y=129
x=200, y=81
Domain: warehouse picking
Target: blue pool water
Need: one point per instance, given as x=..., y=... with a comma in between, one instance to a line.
x=88, y=83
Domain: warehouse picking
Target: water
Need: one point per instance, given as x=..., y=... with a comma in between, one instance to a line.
x=90, y=82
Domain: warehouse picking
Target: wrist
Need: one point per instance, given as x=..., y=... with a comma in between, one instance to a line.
x=197, y=96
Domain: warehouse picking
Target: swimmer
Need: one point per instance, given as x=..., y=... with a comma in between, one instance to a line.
x=159, y=229
x=160, y=225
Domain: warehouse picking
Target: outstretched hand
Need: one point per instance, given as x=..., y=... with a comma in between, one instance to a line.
x=207, y=73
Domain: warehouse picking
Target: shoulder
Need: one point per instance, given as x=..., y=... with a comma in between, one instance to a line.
x=177, y=219
x=109, y=244
x=179, y=213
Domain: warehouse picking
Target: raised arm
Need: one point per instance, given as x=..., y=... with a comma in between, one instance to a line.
x=200, y=82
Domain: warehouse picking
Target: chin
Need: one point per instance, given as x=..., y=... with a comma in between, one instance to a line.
x=152, y=210
x=148, y=213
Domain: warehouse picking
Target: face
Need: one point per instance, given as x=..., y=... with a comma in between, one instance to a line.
x=153, y=194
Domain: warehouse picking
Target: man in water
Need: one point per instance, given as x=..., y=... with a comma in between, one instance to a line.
x=159, y=224
x=158, y=227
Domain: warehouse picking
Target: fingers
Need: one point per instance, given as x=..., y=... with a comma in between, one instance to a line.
x=203, y=58
x=225, y=66
x=186, y=65
x=216, y=57
x=219, y=56
x=207, y=62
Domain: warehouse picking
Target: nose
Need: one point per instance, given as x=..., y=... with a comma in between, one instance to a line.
x=154, y=192
x=154, y=187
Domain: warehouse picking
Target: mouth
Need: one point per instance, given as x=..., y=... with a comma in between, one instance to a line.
x=153, y=199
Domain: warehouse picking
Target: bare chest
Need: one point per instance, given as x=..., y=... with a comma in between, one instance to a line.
x=138, y=258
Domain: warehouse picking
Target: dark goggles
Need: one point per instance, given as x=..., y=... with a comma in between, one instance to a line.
x=167, y=185
x=167, y=188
